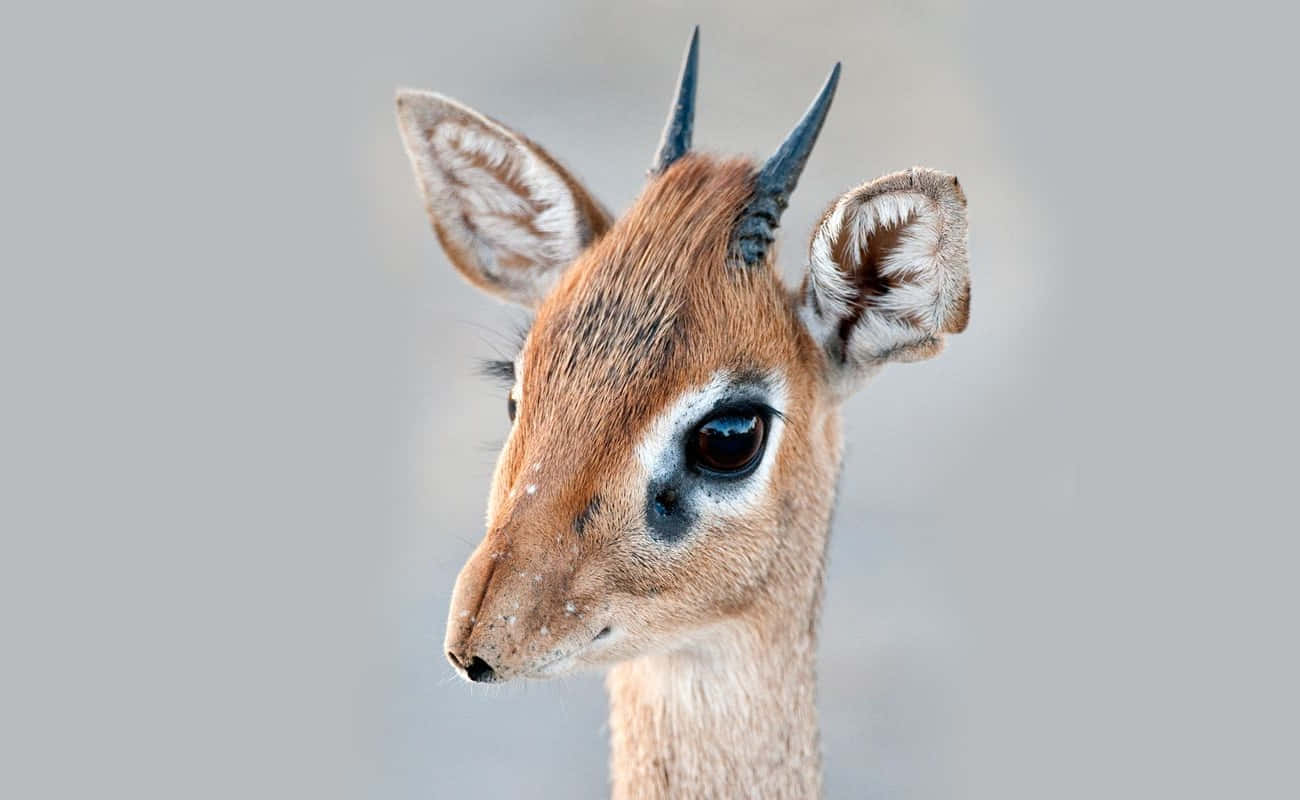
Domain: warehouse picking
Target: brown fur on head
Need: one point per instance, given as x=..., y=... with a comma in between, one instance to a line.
x=605, y=539
x=645, y=314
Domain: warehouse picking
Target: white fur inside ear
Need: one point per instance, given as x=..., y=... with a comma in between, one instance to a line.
x=517, y=205
x=909, y=292
x=510, y=219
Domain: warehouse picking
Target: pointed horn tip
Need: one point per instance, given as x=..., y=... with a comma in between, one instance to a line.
x=821, y=104
x=676, y=139
x=833, y=79
x=779, y=175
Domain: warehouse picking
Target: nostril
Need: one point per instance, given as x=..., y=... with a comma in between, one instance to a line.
x=479, y=671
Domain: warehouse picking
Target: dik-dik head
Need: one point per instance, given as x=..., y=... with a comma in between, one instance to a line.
x=674, y=429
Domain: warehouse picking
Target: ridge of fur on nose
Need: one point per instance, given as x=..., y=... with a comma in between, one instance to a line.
x=483, y=590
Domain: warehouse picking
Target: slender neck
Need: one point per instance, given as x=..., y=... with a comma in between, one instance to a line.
x=731, y=716
x=734, y=716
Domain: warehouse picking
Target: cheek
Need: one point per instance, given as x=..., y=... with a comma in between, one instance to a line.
x=734, y=555
x=657, y=587
x=714, y=564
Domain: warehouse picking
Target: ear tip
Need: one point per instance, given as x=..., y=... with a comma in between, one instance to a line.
x=421, y=107
x=408, y=101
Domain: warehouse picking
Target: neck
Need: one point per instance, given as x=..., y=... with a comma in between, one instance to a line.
x=733, y=716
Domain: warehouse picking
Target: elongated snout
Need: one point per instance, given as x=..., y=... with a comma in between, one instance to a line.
x=514, y=611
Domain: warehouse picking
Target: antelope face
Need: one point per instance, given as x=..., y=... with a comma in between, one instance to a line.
x=673, y=407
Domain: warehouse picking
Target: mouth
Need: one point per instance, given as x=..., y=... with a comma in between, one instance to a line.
x=563, y=662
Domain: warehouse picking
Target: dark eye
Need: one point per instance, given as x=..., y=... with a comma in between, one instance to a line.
x=728, y=443
x=511, y=407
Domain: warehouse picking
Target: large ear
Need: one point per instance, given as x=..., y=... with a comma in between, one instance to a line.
x=510, y=217
x=887, y=274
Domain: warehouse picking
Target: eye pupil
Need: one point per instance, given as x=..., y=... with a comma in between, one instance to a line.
x=728, y=443
x=511, y=408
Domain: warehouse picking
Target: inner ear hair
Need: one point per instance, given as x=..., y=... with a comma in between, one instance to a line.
x=509, y=217
x=868, y=276
x=887, y=269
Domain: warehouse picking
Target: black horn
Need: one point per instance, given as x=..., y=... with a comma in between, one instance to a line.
x=776, y=180
x=681, y=119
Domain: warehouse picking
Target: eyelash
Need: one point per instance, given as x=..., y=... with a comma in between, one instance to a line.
x=741, y=407
x=500, y=371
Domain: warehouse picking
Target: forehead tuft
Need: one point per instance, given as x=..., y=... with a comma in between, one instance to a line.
x=624, y=306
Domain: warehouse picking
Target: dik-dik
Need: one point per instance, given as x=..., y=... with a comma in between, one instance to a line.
x=661, y=506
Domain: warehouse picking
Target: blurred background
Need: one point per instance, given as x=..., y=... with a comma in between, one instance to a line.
x=246, y=451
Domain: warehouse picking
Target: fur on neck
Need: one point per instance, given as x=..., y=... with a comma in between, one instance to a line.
x=732, y=714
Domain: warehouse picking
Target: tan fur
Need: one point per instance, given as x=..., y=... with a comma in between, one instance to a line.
x=711, y=651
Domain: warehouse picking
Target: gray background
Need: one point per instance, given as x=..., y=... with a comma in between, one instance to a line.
x=245, y=451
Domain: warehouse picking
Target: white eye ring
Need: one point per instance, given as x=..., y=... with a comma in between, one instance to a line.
x=516, y=391
x=663, y=452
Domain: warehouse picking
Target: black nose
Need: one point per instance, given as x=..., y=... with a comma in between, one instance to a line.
x=480, y=671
